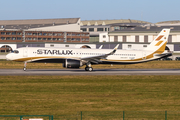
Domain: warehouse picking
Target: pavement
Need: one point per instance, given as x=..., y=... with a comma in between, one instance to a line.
x=95, y=72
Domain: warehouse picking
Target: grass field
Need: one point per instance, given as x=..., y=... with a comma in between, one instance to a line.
x=148, y=65
x=66, y=95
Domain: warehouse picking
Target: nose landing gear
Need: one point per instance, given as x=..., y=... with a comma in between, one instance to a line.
x=25, y=63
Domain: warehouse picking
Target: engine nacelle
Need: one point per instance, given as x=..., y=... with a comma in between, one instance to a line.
x=70, y=63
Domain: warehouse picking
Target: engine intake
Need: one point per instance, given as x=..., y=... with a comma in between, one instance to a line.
x=70, y=63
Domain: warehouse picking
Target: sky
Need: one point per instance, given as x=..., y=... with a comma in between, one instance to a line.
x=146, y=10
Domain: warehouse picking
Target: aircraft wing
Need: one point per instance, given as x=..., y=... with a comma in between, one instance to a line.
x=96, y=59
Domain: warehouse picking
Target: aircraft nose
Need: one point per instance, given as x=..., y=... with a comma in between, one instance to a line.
x=8, y=57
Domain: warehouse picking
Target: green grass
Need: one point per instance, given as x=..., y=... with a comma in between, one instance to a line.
x=148, y=65
x=67, y=95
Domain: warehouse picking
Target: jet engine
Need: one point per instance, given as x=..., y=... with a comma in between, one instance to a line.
x=71, y=63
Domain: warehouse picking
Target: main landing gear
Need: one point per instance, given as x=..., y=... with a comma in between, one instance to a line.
x=25, y=63
x=88, y=67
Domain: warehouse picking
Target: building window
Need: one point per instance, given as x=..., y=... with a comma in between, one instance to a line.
x=19, y=33
x=13, y=33
x=13, y=38
x=170, y=39
x=54, y=34
x=50, y=34
x=124, y=38
x=44, y=38
x=39, y=38
x=91, y=29
x=8, y=38
x=68, y=34
x=84, y=29
x=34, y=38
x=146, y=39
x=28, y=33
x=29, y=38
x=137, y=38
x=18, y=38
x=3, y=38
x=59, y=34
x=34, y=33
x=87, y=39
x=100, y=29
x=59, y=39
x=49, y=39
x=106, y=29
x=115, y=38
x=3, y=33
x=44, y=34
x=8, y=33
x=116, y=28
x=54, y=38
x=39, y=34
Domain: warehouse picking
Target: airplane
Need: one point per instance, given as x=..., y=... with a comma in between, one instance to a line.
x=76, y=58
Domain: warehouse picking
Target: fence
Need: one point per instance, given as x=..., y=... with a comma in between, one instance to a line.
x=105, y=115
x=25, y=117
x=121, y=115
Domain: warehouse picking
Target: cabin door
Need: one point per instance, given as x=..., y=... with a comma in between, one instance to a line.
x=25, y=52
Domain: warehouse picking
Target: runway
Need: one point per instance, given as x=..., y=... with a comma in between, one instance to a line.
x=95, y=72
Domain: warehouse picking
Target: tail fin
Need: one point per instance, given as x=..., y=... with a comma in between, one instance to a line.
x=158, y=45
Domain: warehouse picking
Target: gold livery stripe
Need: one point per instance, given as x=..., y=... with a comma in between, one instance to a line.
x=159, y=37
x=158, y=43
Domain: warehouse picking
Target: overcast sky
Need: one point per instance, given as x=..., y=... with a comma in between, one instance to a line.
x=146, y=10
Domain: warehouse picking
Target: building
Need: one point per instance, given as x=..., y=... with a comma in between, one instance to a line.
x=41, y=30
x=96, y=27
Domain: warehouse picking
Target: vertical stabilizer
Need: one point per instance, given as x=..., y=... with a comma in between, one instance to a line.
x=158, y=45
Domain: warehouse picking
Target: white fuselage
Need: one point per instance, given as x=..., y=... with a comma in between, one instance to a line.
x=32, y=54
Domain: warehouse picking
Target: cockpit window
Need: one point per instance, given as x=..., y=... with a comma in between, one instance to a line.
x=15, y=51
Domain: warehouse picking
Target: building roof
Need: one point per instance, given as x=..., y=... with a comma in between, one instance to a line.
x=152, y=29
x=107, y=22
x=34, y=23
x=169, y=22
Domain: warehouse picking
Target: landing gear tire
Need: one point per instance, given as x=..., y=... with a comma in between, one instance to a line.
x=24, y=69
x=88, y=69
